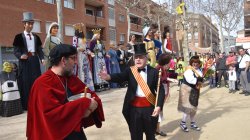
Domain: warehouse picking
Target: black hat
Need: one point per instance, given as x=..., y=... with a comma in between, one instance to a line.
x=140, y=49
x=61, y=50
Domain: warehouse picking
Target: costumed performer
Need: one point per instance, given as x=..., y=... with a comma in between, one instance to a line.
x=51, y=113
x=140, y=108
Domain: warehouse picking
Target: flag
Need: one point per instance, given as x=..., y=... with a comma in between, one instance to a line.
x=179, y=8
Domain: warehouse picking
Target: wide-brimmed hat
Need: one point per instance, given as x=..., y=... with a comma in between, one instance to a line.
x=28, y=16
x=140, y=49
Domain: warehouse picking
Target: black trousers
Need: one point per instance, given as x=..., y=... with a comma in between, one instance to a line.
x=224, y=74
x=76, y=136
x=142, y=121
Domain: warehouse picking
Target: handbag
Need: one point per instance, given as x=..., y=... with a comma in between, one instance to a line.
x=194, y=97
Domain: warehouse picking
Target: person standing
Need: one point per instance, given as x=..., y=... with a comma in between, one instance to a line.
x=50, y=42
x=114, y=65
x=167, y=46
x=221, y=70
x=243, y=62
x=232, y=78
x=150, y=46
x=163, y=65
x=139, y=107
x=82, y=69
x=158, y=43
x=99, y=64
x=28, y=50
x=130, y=48
x=189, y=93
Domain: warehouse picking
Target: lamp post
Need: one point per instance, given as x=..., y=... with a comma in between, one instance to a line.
x=185, y=35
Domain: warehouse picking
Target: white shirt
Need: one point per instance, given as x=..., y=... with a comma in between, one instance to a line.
x=165, y=46
x=245, y=58
x=189, y=76
x=232, y=75
x=30, y=43
x=139, y=91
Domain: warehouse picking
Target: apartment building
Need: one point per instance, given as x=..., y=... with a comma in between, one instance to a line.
x=203, y=35
x=247, y=18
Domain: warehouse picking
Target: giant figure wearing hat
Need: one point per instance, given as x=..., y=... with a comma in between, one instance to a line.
x=28, y=50
x=140, y=107
x=83, y=70
x=99, y=64
x=150, y=46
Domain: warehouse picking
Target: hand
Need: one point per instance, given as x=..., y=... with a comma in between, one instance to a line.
x=81, y=49
x=44, y=62
x=103, y=75
x=24, y=56
x=121, y=62
x=108, y=56
x=156, y=111
x=93, y=105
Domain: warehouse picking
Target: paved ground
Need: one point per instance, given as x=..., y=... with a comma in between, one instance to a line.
x=221, y=116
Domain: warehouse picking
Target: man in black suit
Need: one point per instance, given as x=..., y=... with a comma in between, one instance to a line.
x=28, y=50
x=139, y=107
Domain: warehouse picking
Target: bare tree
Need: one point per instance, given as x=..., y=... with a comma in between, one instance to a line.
x=228, y=13
x=128, y=5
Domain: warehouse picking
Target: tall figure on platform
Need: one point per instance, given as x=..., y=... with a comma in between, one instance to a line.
x=150, y=45
x=50, y=42
x=83, y=64
x=98, y=49
x=28, y=50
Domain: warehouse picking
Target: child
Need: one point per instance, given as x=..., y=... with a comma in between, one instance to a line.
x=180, y=72
x=232, y=78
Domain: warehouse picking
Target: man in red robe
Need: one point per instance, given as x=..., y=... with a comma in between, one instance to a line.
x=51, y=116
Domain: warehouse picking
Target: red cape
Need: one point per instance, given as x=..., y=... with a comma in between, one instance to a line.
x=50, y=117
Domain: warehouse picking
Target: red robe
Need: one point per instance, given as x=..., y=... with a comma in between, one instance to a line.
x=50, y=117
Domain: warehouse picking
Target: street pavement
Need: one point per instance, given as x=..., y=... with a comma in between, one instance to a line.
x=221, y=115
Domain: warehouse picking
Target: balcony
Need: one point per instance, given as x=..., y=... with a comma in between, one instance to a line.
x=95, y=3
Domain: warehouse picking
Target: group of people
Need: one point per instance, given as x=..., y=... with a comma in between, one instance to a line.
x=82, y=68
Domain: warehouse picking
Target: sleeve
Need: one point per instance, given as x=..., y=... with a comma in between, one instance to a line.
x=39, y=48
x=120, y=77
x=17, y=48
x=189, y=76
x=46, y=47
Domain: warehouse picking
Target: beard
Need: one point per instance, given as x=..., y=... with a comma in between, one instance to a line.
x=67, y=73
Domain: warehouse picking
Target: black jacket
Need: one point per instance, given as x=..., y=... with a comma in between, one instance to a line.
x=152, y=80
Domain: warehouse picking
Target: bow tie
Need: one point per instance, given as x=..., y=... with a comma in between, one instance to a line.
x=143, y=69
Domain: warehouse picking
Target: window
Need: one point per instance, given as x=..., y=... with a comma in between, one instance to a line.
x=122, y=18
x=50, y=1
x=37, y=27
x=196, y=44
x=47, y=24
x=111, y=2
x=134, y=20
x=189, y=36
x=69, y=4
x=89, y=34
x=112, y=35
x=122, y=38
x=196, y=35
x=99, y=13
x=69, y=30
x=111, y=17
x=90, y=12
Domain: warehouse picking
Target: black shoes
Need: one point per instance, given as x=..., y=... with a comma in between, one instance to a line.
x=183, y=126
x=161, y=133
x=195, y=127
